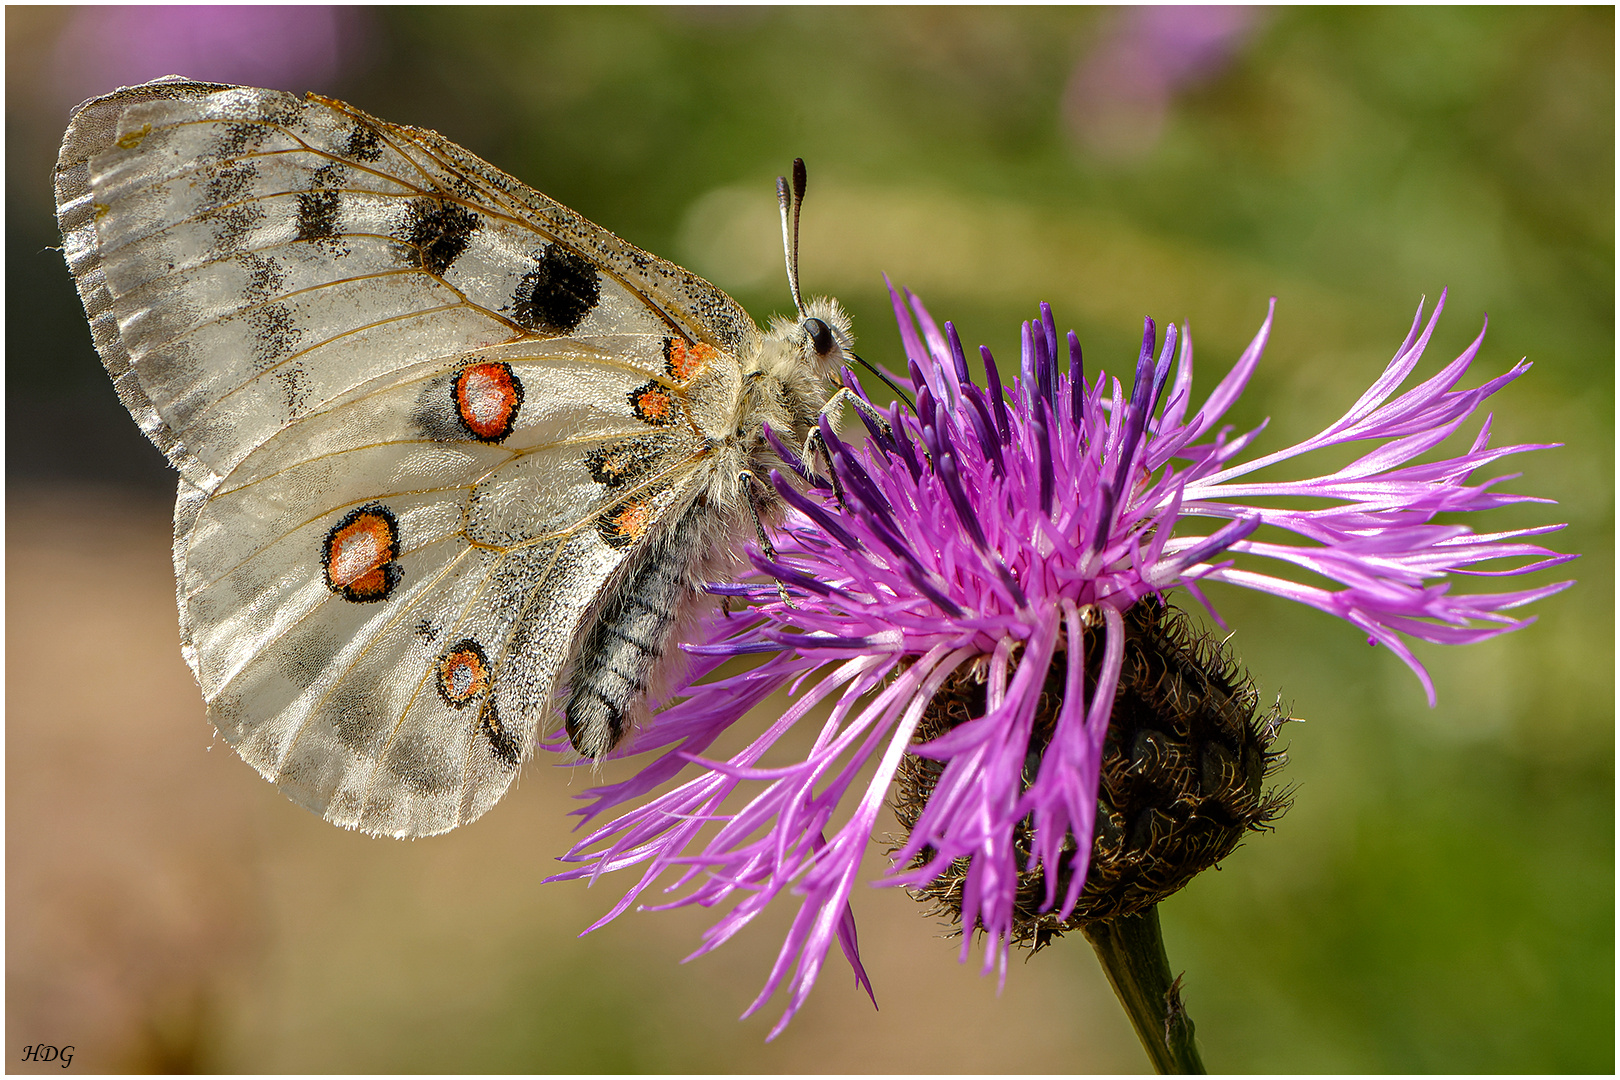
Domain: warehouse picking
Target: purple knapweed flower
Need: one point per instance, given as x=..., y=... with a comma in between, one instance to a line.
x=1004, y=540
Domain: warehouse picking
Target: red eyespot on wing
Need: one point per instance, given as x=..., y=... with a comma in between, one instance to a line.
x=360, y=555
x=463, y=673
x=487, y=398
x=624, y=524
x=654, y=404
x=684, y=362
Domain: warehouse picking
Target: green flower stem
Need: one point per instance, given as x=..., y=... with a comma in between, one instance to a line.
x=1131, y=949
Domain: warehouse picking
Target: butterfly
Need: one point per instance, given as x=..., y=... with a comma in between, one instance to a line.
x=452, y=458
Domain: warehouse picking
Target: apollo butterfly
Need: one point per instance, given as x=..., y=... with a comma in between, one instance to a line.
x=452, y=458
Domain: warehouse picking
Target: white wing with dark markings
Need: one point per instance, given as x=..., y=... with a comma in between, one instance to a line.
x=422, y=414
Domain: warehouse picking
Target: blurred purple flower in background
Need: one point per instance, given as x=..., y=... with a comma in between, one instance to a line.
x=1007, y=545
x=1119, y=94
x=293, y=48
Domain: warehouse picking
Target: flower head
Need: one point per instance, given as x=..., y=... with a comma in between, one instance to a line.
x=971, y=593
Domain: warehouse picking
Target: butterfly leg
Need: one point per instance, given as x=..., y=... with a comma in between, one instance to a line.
x=816, y=443
x=752, y=484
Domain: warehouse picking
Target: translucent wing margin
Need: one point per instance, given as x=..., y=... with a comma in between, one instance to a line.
x=93, y=130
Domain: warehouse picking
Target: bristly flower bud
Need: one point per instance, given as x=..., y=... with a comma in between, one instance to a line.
x=1183, y=774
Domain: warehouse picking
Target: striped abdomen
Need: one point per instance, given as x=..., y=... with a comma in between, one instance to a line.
x=616, y=658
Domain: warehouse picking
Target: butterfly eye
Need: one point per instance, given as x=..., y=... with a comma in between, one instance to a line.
x=821, y=337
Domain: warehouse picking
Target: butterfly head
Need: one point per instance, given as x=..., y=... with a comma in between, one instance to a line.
x=816, y=344
x=788, y=384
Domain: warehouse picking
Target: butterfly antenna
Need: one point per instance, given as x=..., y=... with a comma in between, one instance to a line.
x=789, y=200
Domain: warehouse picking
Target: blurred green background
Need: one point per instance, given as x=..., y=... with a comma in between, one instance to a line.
x=1441, y=897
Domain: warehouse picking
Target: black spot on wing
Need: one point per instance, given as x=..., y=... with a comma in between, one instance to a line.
x=356, y=719
x=436, y=233
x=557, y=293
x=234, y=139
x=365, y=143
x=265, y=277
x=334, y=174
x=503, y=743
x=230, y=183
x=460, y=186
x=317, y=215
x=233, y=224
x=627, y=461
x=281, y=109
x=232, y=218
x=276, y=333
x=294, y=388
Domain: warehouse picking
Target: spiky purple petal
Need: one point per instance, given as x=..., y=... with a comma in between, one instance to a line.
x=1068, y=503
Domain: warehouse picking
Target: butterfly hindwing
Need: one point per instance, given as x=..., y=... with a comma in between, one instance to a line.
x=425, y=419
x=484, y=533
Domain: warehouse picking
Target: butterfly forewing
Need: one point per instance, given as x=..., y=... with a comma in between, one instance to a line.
x=423, y=416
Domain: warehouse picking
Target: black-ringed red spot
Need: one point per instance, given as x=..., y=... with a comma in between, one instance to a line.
x=654, y=404
x=463, y=673
x=502, y=742
x=683, y=362
x=487, y=398
x=360, y=553
x=623, y=525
